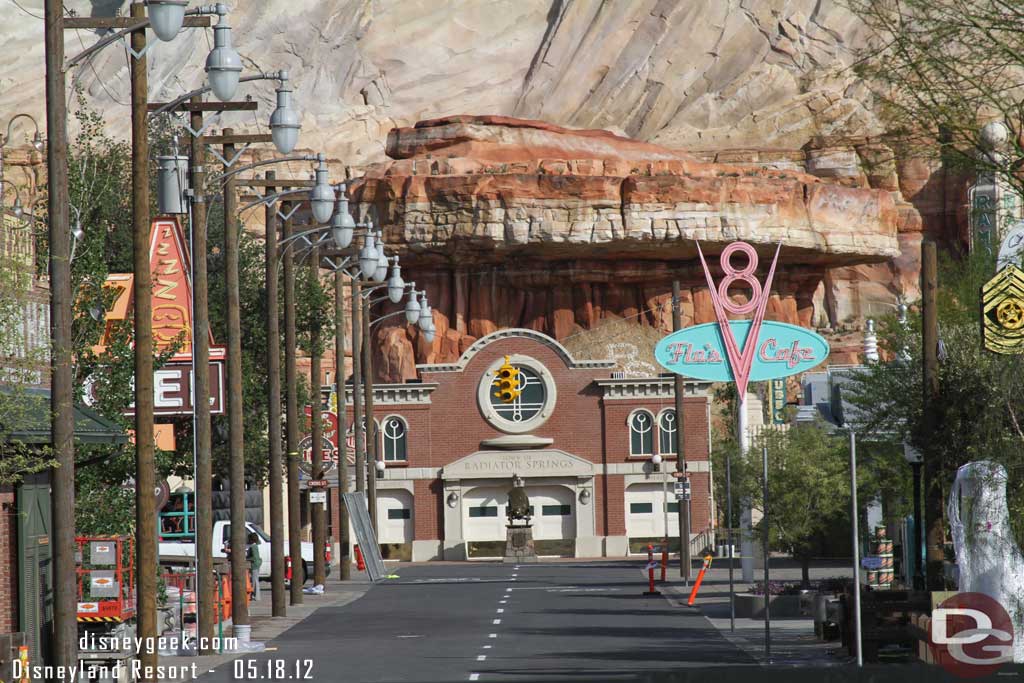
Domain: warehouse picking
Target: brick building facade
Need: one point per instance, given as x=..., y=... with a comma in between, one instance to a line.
x=581, y=439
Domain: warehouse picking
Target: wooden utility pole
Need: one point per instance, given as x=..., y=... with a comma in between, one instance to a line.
x=684, y=505
x=62, y=479
x=145, y=464
x=344, y=567
x=236, y=441
x=934, y=554
x=291, y=403
x=361, y=430
x=372, y=436
x=278, y=608
x=201, y=363
x=317, y=455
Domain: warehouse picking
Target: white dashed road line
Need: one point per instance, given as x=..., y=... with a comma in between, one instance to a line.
x=492, y=635
x=481, y=658
x=496, y=622
x=474, y=677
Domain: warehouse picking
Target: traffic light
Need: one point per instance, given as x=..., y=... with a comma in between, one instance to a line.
x=506, y=380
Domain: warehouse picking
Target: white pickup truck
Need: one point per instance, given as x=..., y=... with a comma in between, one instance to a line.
x=185, y=550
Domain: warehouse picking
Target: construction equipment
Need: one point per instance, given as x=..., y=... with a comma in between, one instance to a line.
x=106, y=606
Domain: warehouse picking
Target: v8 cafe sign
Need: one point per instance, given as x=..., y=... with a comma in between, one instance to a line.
x=780, y=350
x=740, y=351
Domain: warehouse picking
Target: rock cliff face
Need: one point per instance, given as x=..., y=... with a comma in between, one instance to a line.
x=700, y=73
x=510, y=222
x=587, y=227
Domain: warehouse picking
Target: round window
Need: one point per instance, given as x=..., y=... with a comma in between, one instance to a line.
x=528, y=404
x=530, y=409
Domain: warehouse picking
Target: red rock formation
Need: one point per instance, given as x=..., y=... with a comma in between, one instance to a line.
x=508, y=222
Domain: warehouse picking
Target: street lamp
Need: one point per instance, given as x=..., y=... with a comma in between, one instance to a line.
x=343, y=226
x=223, y=65
x=166, y=17
x=321, y=197
x=284, y=122
x=381, y=273
x=396, y=285
x=16, y=208
x=412, y=309
x=368, y=257
x=76, y=231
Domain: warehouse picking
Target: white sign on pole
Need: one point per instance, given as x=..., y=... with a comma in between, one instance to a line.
x=1011, y=248
x=318, y=497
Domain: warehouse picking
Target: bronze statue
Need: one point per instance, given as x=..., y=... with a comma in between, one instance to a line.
x=518, y=501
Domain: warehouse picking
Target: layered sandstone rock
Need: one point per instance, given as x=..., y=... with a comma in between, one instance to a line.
x=561, y=230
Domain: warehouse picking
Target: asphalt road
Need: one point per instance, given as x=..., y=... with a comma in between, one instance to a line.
x=568, y=621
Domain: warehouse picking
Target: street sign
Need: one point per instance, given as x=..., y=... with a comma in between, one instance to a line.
x=318, y=497
x=871, y=562
x=681, y=487
x=683, y=496
x=317, y=484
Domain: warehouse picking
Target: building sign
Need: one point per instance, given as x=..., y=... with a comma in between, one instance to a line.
x=777, y=401
x=172, y=389
x=541, y=463
x=170, y=264
x=740, y=351
x=328, y=444
x=1002, y=311
x=995, y=207
x=1011, y=248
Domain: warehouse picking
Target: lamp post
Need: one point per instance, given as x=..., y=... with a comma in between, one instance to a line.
x=167, y=14
x=656, y=461
x=684, y=505
x=16, y=208
x=37, y=139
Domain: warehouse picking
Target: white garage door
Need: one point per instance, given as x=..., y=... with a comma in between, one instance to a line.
x=554, y=516
x=645, y=516
x=394, y=516
x=483, y=513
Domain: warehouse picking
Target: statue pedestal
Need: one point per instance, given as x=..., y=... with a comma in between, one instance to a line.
x=519, y=544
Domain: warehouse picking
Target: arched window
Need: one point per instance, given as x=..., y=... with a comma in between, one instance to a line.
x=668, y=434
x=641, y=433
x=395, y=435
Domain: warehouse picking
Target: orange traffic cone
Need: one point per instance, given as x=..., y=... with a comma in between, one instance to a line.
x=360, y=563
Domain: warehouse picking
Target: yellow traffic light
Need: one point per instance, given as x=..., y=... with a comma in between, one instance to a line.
x=506, y=380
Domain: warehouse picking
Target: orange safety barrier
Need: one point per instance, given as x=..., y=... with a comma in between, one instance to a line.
x=700, y=578
x=664, y=561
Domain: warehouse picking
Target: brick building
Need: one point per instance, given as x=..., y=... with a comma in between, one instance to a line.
x=581, y=439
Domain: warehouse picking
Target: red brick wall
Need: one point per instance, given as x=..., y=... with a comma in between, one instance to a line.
x=428, y=515
x=454, y=403
x=612, y=505
x=452, y=427
x=695, y=426
x=8, y=561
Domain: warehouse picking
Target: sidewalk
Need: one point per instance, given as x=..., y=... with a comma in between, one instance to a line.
x=266, y=628
x=793, y=642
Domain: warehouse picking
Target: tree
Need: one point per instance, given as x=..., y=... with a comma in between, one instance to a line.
x=808, y=487
x=22, y=360
x=939, y=69
x=980, y=411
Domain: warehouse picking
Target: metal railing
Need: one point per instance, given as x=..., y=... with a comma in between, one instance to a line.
x=701, y=542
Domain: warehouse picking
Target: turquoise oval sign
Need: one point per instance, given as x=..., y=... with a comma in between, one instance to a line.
x=781, y=350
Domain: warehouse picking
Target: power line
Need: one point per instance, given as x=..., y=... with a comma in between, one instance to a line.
x=35, y=16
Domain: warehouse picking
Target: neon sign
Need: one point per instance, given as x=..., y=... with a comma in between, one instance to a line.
x=740, y=351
